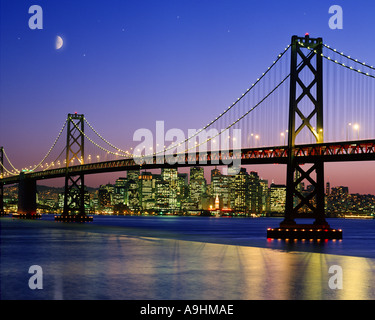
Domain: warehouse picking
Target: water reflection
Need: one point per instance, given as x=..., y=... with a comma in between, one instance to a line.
x=82, y=262
x=146, y=268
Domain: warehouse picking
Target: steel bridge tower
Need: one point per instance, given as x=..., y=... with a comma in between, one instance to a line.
x=74, y=192
x=309, y=67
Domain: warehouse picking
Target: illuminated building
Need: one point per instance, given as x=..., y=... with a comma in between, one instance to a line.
x=264, y=205
x=146, y=192
x=162, y=193
x=120, y=190
x=277, y=198
x=240, y=191
x=217, y=202
x=220, y=186
x=105, y=195
x=197, y=185
x=132, y=194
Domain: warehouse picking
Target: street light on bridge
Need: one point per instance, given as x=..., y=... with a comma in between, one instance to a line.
x=282, y=134
x=356, y=128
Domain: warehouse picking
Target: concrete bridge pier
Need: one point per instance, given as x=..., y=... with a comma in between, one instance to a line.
x=26, y=196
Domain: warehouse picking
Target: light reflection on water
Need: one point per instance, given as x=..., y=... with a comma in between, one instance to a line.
x=106, y=260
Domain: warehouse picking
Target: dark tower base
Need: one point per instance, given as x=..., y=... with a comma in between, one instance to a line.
x=304, y=231
x=27, y=198
x=73, y=218
x=27, y=216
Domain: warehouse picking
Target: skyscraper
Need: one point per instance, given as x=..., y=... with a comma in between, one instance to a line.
x=220, y=187
x=277, y=198
x=146, y=194
x=254, y=192
x=197, y=185
x=264, y=195
x=119, y=195
x=196, y=173
x=105, y=195
x=240, y=191
x=328, y=188
x=170, y=177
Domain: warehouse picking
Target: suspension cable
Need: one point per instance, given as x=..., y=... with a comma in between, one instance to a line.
x=339, y=63
x=106, y=141
x=97, y=145
x=53, y=162
x=127, y=154
x=48, y=153
x=244, y=115
x=5, y=154
x=231, y=106
x=349, y=57
x=9, y=172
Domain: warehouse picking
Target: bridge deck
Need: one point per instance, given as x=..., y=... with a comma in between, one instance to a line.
x=363, y=150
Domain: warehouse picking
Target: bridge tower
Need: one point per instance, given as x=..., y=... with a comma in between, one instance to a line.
x=74, y=192
x=306, y=82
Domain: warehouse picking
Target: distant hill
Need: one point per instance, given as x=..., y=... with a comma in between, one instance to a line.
x=41, y=188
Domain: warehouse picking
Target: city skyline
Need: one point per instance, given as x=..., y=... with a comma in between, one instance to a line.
x=187, y=64
x=173, y=192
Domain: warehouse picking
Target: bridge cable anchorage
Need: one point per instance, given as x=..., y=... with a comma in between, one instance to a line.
x=53, y=145
x=10, y=163
x=230, y=107
x=106, y=141
x=342, y=64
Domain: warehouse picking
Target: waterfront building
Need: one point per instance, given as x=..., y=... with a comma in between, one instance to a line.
x=220, y=187
x=182, y=186
x=196, y=173
x=132, y=194
x=120, y=190
x=197, y=185
x=328, y=189
x=162, y=195
x=146, y=192
x=105, y=195
x=240, y=191
x=264, y=205
x=133, y=175
x=277, y=198
x=255, y=196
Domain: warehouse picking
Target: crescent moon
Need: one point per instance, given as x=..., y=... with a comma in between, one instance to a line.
x=59, y=42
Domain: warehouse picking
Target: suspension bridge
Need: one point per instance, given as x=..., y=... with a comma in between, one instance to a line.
x=280, y=120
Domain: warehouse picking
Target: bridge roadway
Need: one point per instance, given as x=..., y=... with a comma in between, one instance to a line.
x=360, y=150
